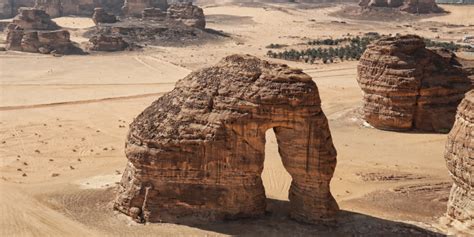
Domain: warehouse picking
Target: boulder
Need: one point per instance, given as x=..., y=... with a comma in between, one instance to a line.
x=407, y=86
x=108, y=43
x=198, y=151
x=421, y=6
x=188, y=14
x=459, y=157
x=101, y=16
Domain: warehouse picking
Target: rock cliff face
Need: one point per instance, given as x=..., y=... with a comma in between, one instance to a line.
x=410, y=6
x=33, y=31
x=108, y=43
x=198, y=151
x=136, y=7
x=408, y=86
x=459, y=157
x=188, y=14
x=101, y=16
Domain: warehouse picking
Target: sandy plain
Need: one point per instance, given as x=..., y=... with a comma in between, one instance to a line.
x=63, y=122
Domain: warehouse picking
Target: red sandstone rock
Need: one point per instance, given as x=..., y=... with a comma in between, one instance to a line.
x=187, y=13
x=198, y=151
x=459, y=157
x=407, y=86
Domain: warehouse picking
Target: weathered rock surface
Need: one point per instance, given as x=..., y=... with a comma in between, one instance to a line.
x=108, y=43
x=459, y=157
x=34, y=19
x=101, y=16
x=153, y=13
x=408, y=86
x=52, y=7
x=187, y=13
x=6, y=9
x=198, y=151
x=410, y=6
x=136, y=7
x=33, y=31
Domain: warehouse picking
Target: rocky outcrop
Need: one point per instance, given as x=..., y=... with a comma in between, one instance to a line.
x=136, y=7
x=188, y=14
x=34, y=19
x=408, y=86
x=52, y=7
x=108, y=43
x=421, y=6
x=33, y=31
x=459, y=157
x=101, y=16
x=410, y=6
x=198, y=151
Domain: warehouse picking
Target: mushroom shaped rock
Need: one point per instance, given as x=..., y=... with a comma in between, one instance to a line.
x=459, y=157
x=198, y=151
x=407, y=86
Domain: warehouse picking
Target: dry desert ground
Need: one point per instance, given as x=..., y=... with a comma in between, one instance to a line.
x=64, y=120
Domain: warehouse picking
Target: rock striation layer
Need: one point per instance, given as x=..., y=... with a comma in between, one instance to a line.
x=198, y=151
x=407, y=86
x=459, y=157
x=33, y=31
x=188, y=14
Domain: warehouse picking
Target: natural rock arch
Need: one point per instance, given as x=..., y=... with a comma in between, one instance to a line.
x=198, y=151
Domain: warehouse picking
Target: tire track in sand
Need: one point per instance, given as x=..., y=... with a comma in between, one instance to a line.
x=78, y=102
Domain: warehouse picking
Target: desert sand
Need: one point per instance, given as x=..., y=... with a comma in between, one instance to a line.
x=63, y=123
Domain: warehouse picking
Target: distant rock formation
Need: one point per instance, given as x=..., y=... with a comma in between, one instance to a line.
x=153, y=13
x=52, y=7
x=408, y=86
x=108, y=43
x=459, y=157
x=33, y=31
x=410, y=6
x=136, y=7
x=101, y=16
x=187, y=13
x=198, y=151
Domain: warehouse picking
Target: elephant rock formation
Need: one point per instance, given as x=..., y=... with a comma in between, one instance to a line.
x=198, y=151
x=407, y=86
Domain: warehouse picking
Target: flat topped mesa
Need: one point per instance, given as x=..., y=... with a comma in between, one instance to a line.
x=459, y=157
x=409, y=87
x=198, y=151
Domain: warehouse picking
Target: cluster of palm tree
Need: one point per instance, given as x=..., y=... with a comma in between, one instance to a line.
x=451, y=46
x=347, y=49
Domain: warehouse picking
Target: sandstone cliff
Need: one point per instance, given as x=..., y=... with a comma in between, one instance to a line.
x=188, y=14
x=198, y=151
x=408, y=86
x=459, y=157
